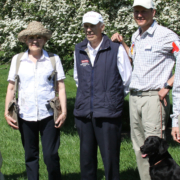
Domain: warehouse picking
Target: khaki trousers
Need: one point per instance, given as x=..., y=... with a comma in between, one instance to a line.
x=148, y=117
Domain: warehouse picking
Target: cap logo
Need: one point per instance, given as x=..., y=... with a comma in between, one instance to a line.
x=90, y=15
x=92, y=18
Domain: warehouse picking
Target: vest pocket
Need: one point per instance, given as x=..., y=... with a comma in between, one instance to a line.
x=110, y=102
x=79, y=100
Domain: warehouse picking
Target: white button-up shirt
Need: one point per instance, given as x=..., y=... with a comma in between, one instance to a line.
x=123, y=64
x=34, y=87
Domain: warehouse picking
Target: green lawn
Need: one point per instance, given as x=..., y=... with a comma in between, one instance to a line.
x=13, y=154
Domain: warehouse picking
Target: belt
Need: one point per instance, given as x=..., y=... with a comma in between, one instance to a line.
x=144, y=93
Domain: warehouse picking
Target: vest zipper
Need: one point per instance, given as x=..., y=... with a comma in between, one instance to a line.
x=92, y=90
x=92, y=85
x=92, y=80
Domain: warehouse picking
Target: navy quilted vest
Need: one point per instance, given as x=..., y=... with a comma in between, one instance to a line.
x=100, y=90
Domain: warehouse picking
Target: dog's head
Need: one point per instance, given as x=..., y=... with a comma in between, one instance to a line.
x=153, y=145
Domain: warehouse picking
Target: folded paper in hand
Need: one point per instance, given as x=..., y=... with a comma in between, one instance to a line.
x=13, y=109
x=55, y=105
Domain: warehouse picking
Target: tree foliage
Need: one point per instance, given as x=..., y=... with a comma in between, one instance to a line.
x=64, y=18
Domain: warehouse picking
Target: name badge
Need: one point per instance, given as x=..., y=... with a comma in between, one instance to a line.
x=148, y=47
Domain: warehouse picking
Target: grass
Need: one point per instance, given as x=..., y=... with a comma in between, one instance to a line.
x=13, y=154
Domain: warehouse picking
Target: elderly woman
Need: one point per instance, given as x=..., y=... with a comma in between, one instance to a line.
x=35, y=89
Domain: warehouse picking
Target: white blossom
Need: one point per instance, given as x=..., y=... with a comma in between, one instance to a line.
x=64, y=19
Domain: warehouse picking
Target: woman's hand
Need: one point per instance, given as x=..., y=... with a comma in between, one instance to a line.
x=60, y=121
x=62, y=98
x=9, y=98
x=11, y=121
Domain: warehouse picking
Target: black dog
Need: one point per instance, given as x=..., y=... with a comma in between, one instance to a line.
x=162, y=165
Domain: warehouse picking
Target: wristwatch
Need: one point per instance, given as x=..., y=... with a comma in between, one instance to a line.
x=167, y=86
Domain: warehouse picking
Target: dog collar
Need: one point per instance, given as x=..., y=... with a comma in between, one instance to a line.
x=158, y=162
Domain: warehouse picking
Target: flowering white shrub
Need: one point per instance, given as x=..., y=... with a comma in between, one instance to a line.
x=64, y=19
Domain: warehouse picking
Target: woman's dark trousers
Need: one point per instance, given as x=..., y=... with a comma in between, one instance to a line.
x=50, y=138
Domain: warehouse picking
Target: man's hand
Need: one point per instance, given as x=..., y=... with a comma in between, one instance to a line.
x=175, y=134
x=60, y=121
x=117, y=37
x=162, y=94
x=11, y=121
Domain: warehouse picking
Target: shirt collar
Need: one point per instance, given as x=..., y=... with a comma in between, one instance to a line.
x=150, y=30
x=44, y=56
x=97, y=48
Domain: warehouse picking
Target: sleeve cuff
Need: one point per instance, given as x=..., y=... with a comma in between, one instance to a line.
x=11, y=79
x=175, y=122
x=61, y=78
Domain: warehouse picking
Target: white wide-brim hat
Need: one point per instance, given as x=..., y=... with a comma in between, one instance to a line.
x=148, y=4
x=34, y=28
x=92, y=18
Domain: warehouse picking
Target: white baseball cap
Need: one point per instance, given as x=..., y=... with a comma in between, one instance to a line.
x=92, y=18
x=148, y=4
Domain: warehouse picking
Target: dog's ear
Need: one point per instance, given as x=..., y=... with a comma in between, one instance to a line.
x=163, y=146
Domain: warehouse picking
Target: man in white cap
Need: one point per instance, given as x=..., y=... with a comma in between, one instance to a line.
x=102, y=73
x=153, y=55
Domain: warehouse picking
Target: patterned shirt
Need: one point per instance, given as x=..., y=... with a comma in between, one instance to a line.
x=34, y=87
x=152, y=57
x=176, y=86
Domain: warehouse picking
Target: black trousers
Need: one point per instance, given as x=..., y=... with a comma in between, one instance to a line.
x=105, y=133
x=50, y=138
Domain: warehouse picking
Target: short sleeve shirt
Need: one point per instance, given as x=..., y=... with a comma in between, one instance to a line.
x=34, y=87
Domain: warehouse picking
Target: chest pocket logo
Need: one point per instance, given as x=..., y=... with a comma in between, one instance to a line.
x=84, y=63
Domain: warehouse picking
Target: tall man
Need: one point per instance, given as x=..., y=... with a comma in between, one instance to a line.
x=102, y=73
x=153, y=56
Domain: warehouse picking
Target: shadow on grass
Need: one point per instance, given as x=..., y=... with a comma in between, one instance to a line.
x=68, y=176
x=76, y=176
x=130, y=174
x=15, y=176
x=173, y=143
x=125, y=175
x=68, y=127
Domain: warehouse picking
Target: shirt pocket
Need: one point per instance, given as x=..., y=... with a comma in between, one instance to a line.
x=43, y=77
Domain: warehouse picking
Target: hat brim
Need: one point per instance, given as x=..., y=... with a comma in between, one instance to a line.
x=147, y=7
x=23, y=34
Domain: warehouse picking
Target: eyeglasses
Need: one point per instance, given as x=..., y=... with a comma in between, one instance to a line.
x=36, y=37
